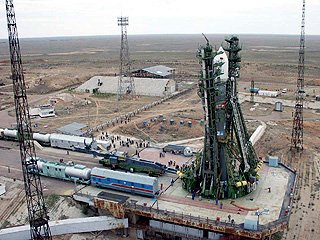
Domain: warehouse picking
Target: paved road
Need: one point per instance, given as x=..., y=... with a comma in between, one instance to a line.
x=10, y=158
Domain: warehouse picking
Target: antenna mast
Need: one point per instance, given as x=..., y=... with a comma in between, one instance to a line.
x=297, y=128
x=37, y=212
x=126, y=82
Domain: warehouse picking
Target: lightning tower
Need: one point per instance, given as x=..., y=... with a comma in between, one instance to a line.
x=37, y=212
x=126, y=85
x=297, y=128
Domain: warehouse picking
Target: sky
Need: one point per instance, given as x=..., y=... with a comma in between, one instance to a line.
x=49, y=18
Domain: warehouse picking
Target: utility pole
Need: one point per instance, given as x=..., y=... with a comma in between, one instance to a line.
x=126, y=85
x=297, y=128
x=252, y=92
x=37, y=211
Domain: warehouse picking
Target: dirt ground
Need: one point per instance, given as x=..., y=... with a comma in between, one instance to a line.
x=53, y=67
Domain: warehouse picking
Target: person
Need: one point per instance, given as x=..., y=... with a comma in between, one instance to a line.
x=172, y=181
x=229, y=217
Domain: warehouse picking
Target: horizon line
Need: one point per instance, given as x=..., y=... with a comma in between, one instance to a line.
x=150, y=34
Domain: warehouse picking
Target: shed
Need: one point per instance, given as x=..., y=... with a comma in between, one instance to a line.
x=43, y=111
x=75, y=129
x=159, y=71
x=273, y=161
x=251, y=223
x=278, y=106
x=268, y=93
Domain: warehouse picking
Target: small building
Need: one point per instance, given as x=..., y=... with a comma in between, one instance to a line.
x=74, y=129
x=143, y=86
x=273, y=161
x=278, y=107
x=43, y=111
x=159, y=71
x=251, y=223
x=268, y=93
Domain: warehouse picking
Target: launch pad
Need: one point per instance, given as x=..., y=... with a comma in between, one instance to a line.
x=267, y=206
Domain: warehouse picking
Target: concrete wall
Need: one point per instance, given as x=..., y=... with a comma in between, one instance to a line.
x=174, y=228
x=76, y=225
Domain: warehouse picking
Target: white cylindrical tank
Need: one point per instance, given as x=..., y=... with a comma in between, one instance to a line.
x=278, y=107
x=187, y=152
x=79, y=171
x=42, y=137
x=12, y=133
x=40, y=163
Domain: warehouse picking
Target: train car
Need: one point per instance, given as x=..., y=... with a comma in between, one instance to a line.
x=127, y=182
x=177, y=149
x=64, y=171
x=76, y=143
x=1, y=133
x=42, y=138
x=71, y=142
x=132, y=164
x=10, y=134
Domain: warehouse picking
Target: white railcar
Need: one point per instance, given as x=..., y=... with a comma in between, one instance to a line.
x=42, y=137
x=10, y=133
x=71, y=142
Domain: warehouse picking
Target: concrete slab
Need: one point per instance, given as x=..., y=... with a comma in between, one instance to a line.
x=271, y=205
x=277, y=179
x=154, y=155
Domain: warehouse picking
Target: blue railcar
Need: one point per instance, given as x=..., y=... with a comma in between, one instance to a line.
x=127, y=182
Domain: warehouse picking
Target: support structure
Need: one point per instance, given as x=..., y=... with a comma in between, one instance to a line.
x=227, y=167
x=252, y=92
x=37, y=212
x=126, y=85
x=297, y=128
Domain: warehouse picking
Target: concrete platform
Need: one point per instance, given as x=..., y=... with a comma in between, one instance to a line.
x=279, y=180
x=154, y=154
x=175, y=199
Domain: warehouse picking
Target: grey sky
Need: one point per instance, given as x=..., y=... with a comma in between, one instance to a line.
x=44, y=18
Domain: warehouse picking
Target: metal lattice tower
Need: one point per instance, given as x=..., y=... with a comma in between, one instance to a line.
x=297, y=128
x=37, y=212
x=126, y=82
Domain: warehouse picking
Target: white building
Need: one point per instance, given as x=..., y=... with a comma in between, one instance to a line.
x=143, y=86
x=268, y=93
x=43, y=111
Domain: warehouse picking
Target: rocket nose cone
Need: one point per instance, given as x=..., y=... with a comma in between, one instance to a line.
x=221, y=49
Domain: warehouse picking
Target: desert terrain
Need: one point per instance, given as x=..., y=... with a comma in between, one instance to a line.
x=55, y=66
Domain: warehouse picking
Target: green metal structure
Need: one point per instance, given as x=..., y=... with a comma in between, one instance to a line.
x=227, y=166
